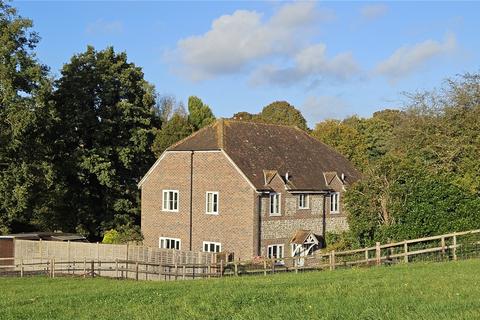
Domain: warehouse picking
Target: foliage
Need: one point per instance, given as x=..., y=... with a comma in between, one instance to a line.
x=277, y=112
x=440, y=291
x=174, y=130
x=111, y=237
x=122, y=235
x=27, y=176
x=345, y=138
x=420, y=165
x=105, y=124
x=199, y=114
x=340, y=241
x=245, y=116
x=180, y=125
x=282, y=112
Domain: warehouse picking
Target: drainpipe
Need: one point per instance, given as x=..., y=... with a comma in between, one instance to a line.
x=324, y=213
x=259, y=241
x=191, y=198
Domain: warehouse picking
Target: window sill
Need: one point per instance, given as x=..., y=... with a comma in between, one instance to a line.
x=212, y=213
x=174, y=211
x=275, y=215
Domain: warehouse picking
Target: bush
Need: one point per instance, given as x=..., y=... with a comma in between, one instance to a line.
x=124, y=234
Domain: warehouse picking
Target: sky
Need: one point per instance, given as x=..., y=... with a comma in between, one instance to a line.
x=328, y=59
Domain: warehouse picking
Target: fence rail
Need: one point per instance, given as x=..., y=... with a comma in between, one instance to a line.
x=452, y=246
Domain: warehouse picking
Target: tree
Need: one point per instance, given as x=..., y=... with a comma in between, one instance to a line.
x=345, y=138
x=422, y=175
x=245, y=116
x=282, y=112
x=105, y=132
x=177, y=128
x=199, y=114
x=27, y=186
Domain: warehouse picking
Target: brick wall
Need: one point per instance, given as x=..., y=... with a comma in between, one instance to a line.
x=235, y=227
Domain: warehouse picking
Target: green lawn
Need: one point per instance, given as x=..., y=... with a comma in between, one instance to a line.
x=448, y=290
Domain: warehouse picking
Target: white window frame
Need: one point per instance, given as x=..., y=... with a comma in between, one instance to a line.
x=280, y=248
x=279, y=207
x=166, y=200
x=306, y=201
x=335, y=202
x=211, y=210
x=165, y=240
x=210, y=243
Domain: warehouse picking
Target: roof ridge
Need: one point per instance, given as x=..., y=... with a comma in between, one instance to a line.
x=264, y=123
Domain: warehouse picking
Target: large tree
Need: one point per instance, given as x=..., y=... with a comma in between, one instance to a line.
x=103, y=139
x=282, y=112
x=27, y=188
x=199, y=114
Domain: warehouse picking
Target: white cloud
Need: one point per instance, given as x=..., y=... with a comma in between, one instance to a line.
x=408, y=59
x=318, y=108
x=373, y=11
x=236, y=41
x=309, y=63
x=104, y=27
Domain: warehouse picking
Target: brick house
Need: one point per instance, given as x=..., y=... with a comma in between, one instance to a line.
x=246, y=188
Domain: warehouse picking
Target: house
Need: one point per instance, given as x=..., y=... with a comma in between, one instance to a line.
x=247, y=188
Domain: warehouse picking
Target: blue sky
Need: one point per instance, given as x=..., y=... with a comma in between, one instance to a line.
x=329, y=59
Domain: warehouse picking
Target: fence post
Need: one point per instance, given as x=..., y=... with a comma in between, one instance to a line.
x=221, y=268
x=443, y=248
x=84, y=267
x=126, y=263
x=53, y=268
x=332, y=260
x=378, y=253
x=176, y=271
x=92, y=264
x=209, y=269
x=116, y=268
x=273, y=266
x=21, y=268
x=183, y=272
x=41, y=251
x=264, y=267
x=454, y=246
x=366, y=256
x=68, y=251
x=405, y=251
x=136, y=270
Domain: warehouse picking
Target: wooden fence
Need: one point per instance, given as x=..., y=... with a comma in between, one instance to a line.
x=39, y=251
x=454, y=246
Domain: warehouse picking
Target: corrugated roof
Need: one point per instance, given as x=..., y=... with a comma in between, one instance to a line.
x=255, y=147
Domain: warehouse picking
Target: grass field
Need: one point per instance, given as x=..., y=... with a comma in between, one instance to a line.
x=448, y=290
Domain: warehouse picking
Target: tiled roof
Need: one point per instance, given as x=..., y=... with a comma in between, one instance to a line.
x=258, y=149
